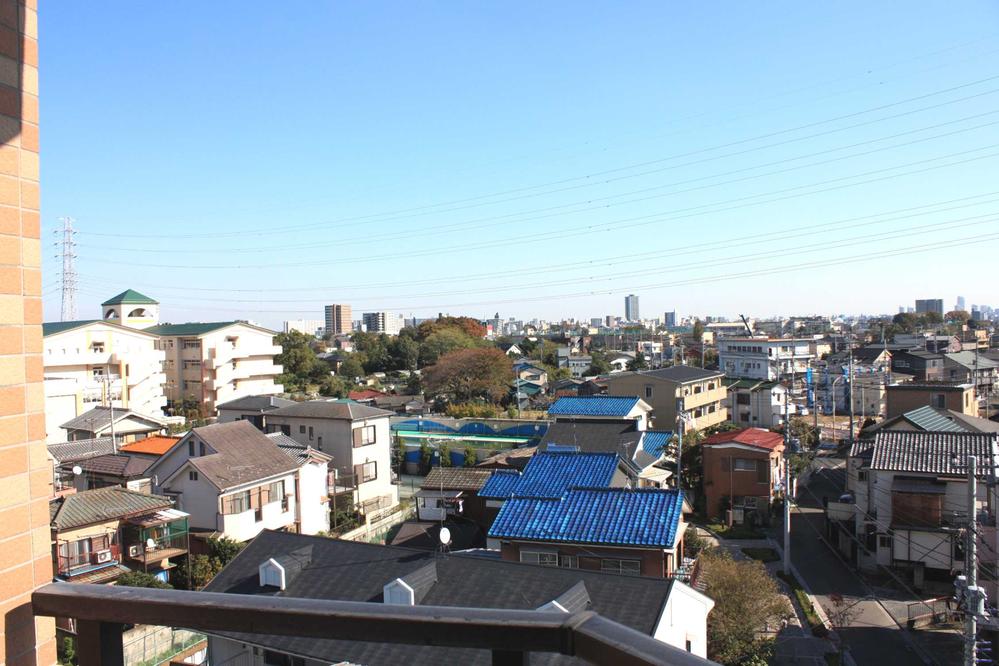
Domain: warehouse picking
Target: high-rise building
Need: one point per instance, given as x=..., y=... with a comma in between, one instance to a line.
x=307, y=326
x=669, y=320
x=930, y=305
x=382, y=322
x=960, y=303
x=26, y=473
x=631, y=308
x=338, y=321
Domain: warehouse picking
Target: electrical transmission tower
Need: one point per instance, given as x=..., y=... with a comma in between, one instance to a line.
x=65, y=236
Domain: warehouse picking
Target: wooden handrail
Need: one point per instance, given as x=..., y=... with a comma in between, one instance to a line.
x=511, y=634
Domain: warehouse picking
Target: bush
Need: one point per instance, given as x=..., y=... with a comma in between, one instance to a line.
x=223, y=550
x=444, y=451
x=762, y=554
x=472, y=410
x=142, y=579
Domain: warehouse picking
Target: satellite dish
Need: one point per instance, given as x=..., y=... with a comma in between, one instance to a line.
x=77, y=470
x=150, y=544
x=445, y=536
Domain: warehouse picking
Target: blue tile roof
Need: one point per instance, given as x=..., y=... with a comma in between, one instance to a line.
x=656, y=442
x=551, y=473
x=594, y=405
x=643, y=517
x=501, y=484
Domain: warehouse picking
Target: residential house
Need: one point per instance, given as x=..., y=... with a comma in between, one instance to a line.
x=646, y=455
x=150, y=446
x=94, y=362
x=330, y=569
x=941, y=344
x=910, y=499
x=681, y=394
x=313, y=485
x=906, y=397
x=124, y=424
x=357, y=437
x=970, y=368
x=127, y=470
x=756, y=403
x=453, y=491
x=579, y=365
x=770, y=359
x=234, y=481
x=99, y=534
x=743, y=470
x=510, y=349
x=62, y=455
x=619, y=360
x=924, y=366
x=252, y=408
x=599, y=408
x=403, y=405
x=645, y=536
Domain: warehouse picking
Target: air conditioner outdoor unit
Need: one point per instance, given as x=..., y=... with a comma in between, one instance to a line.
x=135, y=550
x=102, y=556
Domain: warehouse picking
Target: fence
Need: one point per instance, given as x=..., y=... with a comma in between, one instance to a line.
x=152, y=645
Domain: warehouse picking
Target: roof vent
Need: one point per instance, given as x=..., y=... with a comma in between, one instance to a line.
x=272, y=574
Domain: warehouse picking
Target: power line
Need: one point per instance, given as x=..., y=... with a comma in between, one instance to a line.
x=67, y=244
x=789, y=130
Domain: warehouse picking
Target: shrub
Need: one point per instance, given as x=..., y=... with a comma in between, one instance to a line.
x=142, y=579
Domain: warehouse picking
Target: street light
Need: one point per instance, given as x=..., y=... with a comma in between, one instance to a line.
x=833, y=391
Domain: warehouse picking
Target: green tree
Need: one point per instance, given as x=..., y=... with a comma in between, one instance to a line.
x=142, y=579
x=351, y=368
x=442, y=342
x=445, y=453
x=698, y=330
x=638, y=363
x=223, y=550
x=746, y=599
x=906, y=321
x=465, y=375
x=404, y=353
x=598, y=364
x=473, y=328
x=334, y=387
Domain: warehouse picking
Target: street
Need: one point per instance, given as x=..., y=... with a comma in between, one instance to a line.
x=867, y=629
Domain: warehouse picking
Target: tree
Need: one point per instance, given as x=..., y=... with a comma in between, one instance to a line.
x=224, y=549
x=351, y=368
x=473, y=328
x=142, y=579
x=931, y=318
x=957, y=316
x=598, y=364
x=906, y=321
x=334, y=387
x=404, y=353
x=698, y=330
x=442, y=342
x=638, y=363
x=462, y=375
x=747, y=600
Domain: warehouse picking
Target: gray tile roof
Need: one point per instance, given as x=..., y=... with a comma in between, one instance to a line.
x=343, y=410
x=681, y=373
x=124, y=465
x=256, y=403
x=99, y=418
x=102, y=505
x=456, y=478
x=966, y=359
x=352, y=571
x=941, y=453
x=298, y=452
x=66, y=452
x=243, y=454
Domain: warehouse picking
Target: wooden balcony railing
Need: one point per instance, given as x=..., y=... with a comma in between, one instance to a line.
x=511, y=635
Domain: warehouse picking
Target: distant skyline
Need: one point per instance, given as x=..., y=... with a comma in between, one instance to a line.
x=539, y=161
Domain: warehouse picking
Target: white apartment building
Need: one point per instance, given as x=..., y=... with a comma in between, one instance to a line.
x=769, y=359
x=314, y=327
x=383, y=322
x=234, y=480
x=91, y=363
x=217, y=362
x=356, y=436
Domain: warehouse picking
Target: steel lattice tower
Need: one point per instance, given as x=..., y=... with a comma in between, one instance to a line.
x=65, y=236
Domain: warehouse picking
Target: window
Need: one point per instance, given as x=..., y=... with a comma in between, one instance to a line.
x=711, y=386
x=98, y=373
x=568, y=561
x=548, y=559
x=201, y=448
x=749, y=502
x=744, y=465
x=310, y=433
x=276, y=494
x=191, y=344
x=301, y=430
x=364, y=435
x=689, y=645
x=190, y=448
x=97, y=347
x=862, y=475
x=762, y=471
x=192, y=476
x=278, y=659
x=939, y=400
x=744, y=417
x=742, y=399
x=621, y=566
x=236, y=503
x=648, y=391
x=884, y=541
x=366, y=472
x=698, y=389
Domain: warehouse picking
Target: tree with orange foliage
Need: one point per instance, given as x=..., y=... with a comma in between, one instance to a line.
x=481, y=373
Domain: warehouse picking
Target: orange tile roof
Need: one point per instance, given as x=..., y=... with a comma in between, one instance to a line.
x=758, y=437
x=153, y=445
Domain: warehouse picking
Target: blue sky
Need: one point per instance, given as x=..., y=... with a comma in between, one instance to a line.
x=256, y=160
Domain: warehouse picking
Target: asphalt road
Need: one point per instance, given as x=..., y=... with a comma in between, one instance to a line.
x=868, y=630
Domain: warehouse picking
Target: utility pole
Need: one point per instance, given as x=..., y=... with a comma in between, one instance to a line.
x=850, y=343
x=68, y=310
x=970, y=596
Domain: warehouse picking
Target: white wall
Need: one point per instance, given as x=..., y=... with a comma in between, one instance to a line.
x=314, y=509
x=244, y=526
x=685, y=618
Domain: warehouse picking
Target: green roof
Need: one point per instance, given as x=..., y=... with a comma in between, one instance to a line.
x=129, y=296
x=928, y=418
x=194, y=328
x=53, y=327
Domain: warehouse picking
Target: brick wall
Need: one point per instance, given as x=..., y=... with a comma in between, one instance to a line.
x=25, y=474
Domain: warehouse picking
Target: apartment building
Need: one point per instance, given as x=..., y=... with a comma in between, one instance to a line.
x=214, y=363
x=382, y=322
x=307, y=326
x=742, y=472
x=769, y=359
x=94, y=362
x=338, y=319
x=762, y=404
x=942, y=395
x=697, y=396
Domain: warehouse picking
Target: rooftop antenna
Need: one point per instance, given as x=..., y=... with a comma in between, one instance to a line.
x=68, y=311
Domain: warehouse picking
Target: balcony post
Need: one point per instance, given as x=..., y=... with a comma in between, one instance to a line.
x=99, y=643
x=509, y=658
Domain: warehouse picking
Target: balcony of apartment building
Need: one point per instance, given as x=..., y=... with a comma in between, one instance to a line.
x=190, y=348
x=153, y=540
x=89, y=559
x=510, y=636
x=234, y=349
